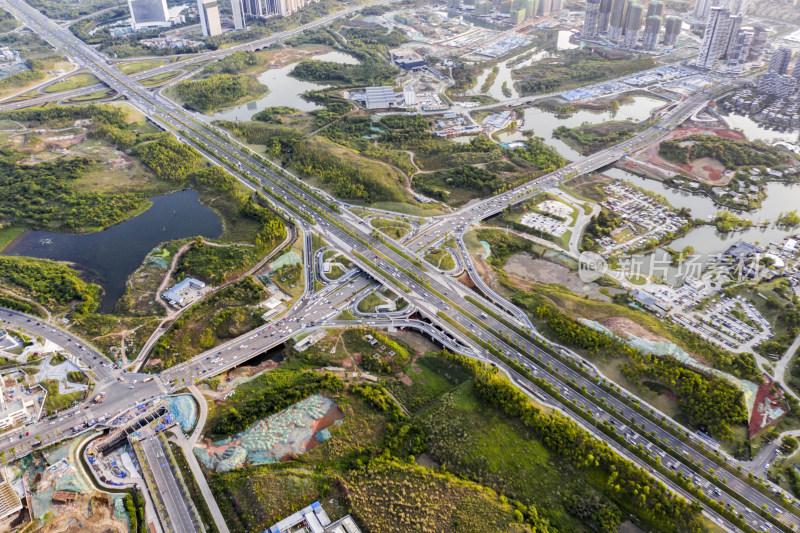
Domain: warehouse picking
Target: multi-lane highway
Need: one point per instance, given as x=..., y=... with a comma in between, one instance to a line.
x=431, y=293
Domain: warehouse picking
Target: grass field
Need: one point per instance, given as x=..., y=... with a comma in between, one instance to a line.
x=75, y=81
x=8, y=234
x=102, y=94
x=395, y=229
x=55, y=401
x=441, y=259
x=133, y=67
x=431, y=377
x=160, y=79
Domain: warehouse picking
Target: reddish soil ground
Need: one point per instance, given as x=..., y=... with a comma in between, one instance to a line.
x=768, y=398
x=647, y=159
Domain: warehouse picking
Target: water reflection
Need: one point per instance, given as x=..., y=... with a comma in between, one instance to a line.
x=116, y=252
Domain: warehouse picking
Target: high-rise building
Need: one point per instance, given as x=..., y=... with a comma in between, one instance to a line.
x=759, y=44
x=740, y=50
x=517, y=16
x=616, y=26
x=556, y=6
x=267, y=8
x=592, y=14
x=505, y=6
x=796, y=71
x=209, y=17
x=702, y=9
x=633, y=24
x=651, y=28
x=780, y=85
x=672, y=29
x=237, y=8
x=656, y=9
x=544, y=8
x=531, y=7
x=605, y=16
x=481, y=8
x=738, y=7
x=454, y=3
x=715, y=38
x=148, y=14
x=736, y=25
x=779, y=62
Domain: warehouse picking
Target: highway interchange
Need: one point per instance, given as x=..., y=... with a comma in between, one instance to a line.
x=430, y=293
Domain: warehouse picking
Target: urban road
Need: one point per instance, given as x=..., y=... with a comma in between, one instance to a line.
x=393, y=269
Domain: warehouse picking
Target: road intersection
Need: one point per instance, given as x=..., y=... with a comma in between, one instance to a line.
x=431, y=293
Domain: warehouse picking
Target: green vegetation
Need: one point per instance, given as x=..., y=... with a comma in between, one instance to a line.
x=574, y=68
x=135, y=509
x=237, y=63
x=60, y=10
x=57, y=205
x=396, y=229
x=215, y=264
x=218, y=91
x=437, y=502
x=431, y=377
x=56, y=402
x=590, y=138
x=441, y=259
x=368, y=45
x=600, y=226
x=77, y=377
x=52, y=284
x=369, y=302
x=266, y=395
x=224, y=315
x=134, y=67
x=733, y=154
x=458, y=185
x=76, y=81
x=490, y=79
x=7, y=21
x=790, y=219
x=194, y=489
x=726, y=221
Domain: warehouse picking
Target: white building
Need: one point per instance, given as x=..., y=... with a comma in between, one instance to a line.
x=148, y=14
x=209, y=17
x=715, y=39
x=409, y=95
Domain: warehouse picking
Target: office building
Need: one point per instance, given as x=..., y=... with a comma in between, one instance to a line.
x=268, y=8
x=481, y=9
x=672, y=29
x=737, y=7
x=779, y=62
x=148, y=14
x=759, y=45
x=531, y=7
x=556, y=6
x=740, y=50
x=616, y=26
x=209, y=17
x=655, y=9
x=505, y=6
x=454, y=3
x=590, y=21
x=779, y=85
x=715, y=38
x=237, y=8
x=544, y=8
x=702, y=8
x=733, y=31
x=796, y=71
x=652, y=27
x=605, y=16
x=633, y=24
x=517, y=16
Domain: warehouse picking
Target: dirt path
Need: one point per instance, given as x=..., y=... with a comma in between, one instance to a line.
x=291, y=235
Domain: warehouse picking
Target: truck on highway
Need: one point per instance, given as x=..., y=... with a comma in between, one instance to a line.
x=145, y=380
x=77, y=428
x=100, y=397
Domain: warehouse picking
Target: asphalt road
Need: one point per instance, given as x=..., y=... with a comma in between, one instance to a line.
x=293, y=201
x=181, y=515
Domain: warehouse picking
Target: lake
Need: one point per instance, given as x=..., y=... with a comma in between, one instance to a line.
x=283, y=90
x=115, y=253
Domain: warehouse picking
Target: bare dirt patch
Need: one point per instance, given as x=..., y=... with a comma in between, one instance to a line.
x=72, y=518
x=543, y=271
x=623, y=327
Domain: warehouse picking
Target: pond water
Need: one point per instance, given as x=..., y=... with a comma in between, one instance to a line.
x=115, y=253
x=504, y=75
x=283, y=90
x=563, y=42
x=755, y=132
x=542, y=123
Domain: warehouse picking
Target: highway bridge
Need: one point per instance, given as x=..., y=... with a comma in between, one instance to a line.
x=431, y=293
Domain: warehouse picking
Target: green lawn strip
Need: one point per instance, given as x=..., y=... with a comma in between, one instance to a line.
x=55, y=401
x=194, y=489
